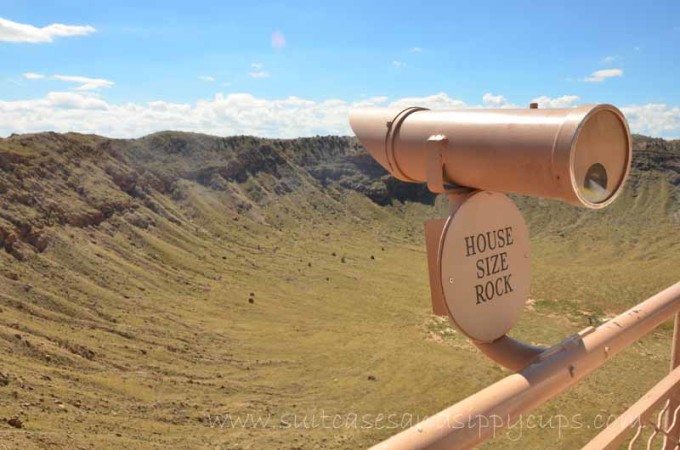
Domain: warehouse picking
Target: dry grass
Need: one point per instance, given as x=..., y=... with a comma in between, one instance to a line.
x=146, y=337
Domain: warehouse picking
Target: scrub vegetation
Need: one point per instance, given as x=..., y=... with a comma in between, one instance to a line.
x=187, y=291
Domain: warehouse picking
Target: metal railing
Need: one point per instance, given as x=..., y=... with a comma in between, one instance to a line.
x=655, y=415
x=479, y=417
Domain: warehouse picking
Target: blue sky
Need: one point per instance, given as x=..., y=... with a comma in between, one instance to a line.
x=294, y=68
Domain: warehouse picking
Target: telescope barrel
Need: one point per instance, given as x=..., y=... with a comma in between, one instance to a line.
x=579, y=155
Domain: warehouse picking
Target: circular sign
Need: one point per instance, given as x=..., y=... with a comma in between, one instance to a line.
x=484, y=265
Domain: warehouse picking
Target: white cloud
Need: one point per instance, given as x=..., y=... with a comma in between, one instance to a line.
x=278, y=40
x=86, y=84
x=416, y=50
x=21, y=32
x=654, y=119
x=75, y=101
x=221, y=115
x=33, y=76
x=607, y=60
x=398, y=64
x=494, y=100
x=436, y=101
x=208, y=78
x=600, y=75
x=246, y=114
x=371, y=101
x=259, y=74
x=565, y=101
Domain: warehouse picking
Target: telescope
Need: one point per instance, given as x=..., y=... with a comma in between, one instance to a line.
x=579, y=155
x=478, y=258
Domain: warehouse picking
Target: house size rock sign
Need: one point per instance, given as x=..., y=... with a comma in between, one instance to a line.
x=485, y=265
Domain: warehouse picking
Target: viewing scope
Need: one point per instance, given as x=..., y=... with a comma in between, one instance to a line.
x=580, y=155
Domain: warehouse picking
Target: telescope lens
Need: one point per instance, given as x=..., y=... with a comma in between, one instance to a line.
x=601, y=157
x=595, y=184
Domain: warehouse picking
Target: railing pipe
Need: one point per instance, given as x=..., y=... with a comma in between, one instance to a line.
x=510, y=353
x=637, y=415
x=482, y=415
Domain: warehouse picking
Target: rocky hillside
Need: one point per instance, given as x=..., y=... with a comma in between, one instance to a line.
x=50, y=180
x=150, y=287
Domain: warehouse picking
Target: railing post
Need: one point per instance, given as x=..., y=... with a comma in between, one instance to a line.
x=673, y=434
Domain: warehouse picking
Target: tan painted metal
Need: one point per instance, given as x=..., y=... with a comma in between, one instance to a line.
x=510, y=353
x=506, y=351
x=484, y=265
x=482, y=415
x=673, y=426
x=580, y=155
x=433, y=234
x=639, y=414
